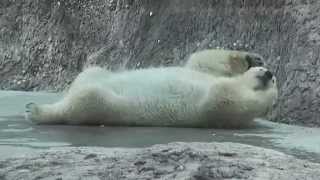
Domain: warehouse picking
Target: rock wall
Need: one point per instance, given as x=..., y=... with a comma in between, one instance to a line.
x=45, y=43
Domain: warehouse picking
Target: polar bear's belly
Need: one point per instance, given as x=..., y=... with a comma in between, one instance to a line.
x=154, y=98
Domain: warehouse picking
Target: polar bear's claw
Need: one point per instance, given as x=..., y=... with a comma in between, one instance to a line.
x=254, y=60
x=32, y=111
x=30, y=105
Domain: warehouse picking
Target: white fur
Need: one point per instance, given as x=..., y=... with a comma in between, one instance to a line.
x=174, y=96
x=220, y=62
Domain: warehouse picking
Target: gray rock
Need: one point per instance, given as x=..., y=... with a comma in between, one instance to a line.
x=47, y=43
x=172, y=161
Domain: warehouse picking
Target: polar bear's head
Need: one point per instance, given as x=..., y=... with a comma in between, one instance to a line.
x=260, y=78
x=226, y=63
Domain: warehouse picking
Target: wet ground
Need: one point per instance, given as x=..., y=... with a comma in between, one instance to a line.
x=20, y=137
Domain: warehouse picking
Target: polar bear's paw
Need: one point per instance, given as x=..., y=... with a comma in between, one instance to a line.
x=32, y=112
x=219, y=62
x=254, y=60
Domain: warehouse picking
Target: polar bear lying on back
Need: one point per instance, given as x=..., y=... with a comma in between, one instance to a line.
x=171, y=96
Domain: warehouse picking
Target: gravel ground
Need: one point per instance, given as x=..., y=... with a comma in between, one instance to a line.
x=201, y=161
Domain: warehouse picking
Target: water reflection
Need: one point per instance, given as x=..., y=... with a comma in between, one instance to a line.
x=24, y=134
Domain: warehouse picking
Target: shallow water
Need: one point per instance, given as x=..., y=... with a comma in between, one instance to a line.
x=19, y=137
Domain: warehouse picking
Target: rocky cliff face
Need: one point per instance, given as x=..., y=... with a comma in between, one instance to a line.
x=45, y=43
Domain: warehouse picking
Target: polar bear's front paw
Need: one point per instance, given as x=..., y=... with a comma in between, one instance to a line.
x=32, y=111
x=254, y=60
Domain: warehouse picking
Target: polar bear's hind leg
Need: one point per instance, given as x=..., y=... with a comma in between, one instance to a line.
x=90, y=105
x=44, y=114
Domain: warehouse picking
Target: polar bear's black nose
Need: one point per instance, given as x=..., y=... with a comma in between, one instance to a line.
x=268, y=75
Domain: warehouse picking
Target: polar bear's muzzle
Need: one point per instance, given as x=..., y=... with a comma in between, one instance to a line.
x=264, y=80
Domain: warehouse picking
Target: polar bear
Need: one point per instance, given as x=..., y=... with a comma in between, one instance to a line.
x=171, y=96
x=221, y=62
